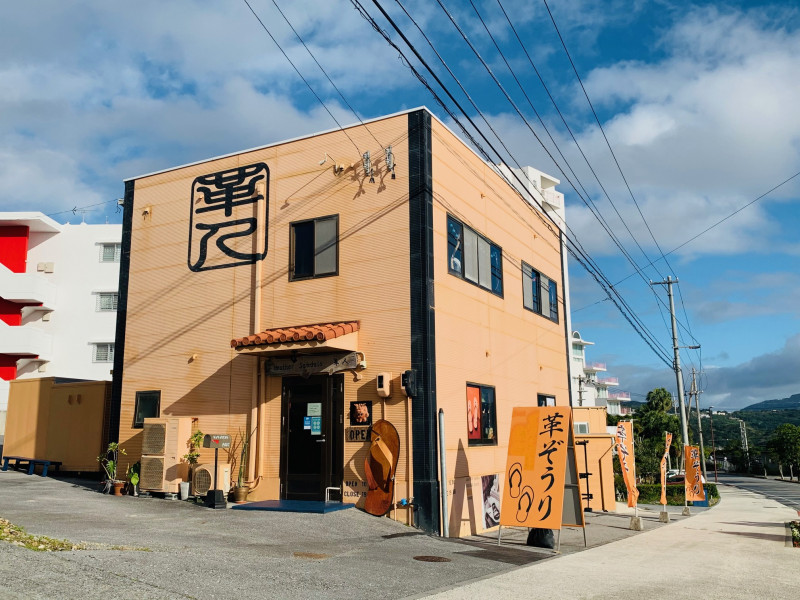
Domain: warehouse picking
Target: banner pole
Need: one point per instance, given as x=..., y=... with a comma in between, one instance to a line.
x=499, y=533
x=558, y=547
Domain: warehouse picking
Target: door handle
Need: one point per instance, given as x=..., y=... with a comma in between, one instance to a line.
x=321, y=440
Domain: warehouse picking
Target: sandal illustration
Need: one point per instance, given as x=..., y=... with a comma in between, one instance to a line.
x=514, y=480
x=525, y=503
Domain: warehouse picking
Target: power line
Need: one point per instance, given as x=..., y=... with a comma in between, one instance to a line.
x=573, y=246
x=324, y=72
x=308, y=85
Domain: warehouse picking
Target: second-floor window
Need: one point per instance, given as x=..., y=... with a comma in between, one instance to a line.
x=107, y=301
x=472, y=257
x=539, y=293
x=314, y=248
x=110, y=252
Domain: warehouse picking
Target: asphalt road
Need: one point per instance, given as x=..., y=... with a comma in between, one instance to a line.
x=785, y=492
x=163, y=549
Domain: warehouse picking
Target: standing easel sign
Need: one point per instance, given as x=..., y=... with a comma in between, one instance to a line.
x=541, y=487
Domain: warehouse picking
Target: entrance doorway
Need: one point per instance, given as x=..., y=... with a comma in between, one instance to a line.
x=312, y=448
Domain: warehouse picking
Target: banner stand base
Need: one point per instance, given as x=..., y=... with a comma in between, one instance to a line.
x=663, y=517
x=686, y=512
x=637, y=524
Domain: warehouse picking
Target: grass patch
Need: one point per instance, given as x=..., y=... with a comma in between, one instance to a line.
x=16, y=535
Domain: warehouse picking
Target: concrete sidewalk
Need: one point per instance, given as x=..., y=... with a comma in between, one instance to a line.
x=736, y=550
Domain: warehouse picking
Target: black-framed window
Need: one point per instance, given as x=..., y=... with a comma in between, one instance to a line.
x=103, y=352
x=148, y=404
x=539, y=293
x=481, y=415
x=473, y=257
x=314, y=248
x=545, y=400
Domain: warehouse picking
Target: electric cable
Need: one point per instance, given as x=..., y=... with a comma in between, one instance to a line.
x=308, y=85
x=573, y=246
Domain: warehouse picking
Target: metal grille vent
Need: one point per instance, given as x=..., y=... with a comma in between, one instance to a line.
x=151, y=476
x=154, y=438
x=201, y=481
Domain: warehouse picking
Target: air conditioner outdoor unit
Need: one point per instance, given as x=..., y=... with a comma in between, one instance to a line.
x=203, y=476
x=163, y=446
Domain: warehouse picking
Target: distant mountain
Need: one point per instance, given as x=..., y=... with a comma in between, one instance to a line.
x=785, y=403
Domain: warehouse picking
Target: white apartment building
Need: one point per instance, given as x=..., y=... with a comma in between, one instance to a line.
x=58, y=299
x=589, y=387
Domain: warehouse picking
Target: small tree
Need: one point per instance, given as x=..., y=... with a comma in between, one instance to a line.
x=194, y=443
x=785, y=443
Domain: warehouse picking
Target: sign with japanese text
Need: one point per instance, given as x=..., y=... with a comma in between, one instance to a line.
x=217, y=440
x=664, y=470
x=226, y=211
x=624, y=439
x=693, y=481
x=533, y=490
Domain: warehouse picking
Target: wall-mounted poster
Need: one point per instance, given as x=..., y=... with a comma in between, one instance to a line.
x=473, y=412
x=361, y=413
x=491, y=500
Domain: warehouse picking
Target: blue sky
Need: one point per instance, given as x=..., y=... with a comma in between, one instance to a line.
x=698, y=100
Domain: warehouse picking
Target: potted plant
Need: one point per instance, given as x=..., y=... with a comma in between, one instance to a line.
x=194, y=443
x=132, y=475
x=110, y=462
x=241, y=490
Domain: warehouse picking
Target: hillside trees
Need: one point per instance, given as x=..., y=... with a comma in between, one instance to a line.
x=785, y=444
x=650, y=422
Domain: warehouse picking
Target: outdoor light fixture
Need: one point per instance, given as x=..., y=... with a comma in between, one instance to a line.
x=337, y=168
x=368, y=166
x=390, y=160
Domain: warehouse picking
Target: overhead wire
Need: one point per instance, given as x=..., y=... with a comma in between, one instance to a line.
x=308, y=85
x=573, y=246
x=616, y=161
x=324, y=72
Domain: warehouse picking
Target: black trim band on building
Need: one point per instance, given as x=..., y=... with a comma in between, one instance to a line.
x=423, y=355
x=122, y=313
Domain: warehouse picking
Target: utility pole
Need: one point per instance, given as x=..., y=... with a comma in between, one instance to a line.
x=676, y=365
x=745, y=447
x=696, y=393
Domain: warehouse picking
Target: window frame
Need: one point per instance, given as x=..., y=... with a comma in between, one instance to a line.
x=292, y=252
x=483, y=441
x=578, y=424
x=109, y=349
x=544, y=400
x=117, y=251
x=139, y=424
x=537, y=280
x=495, y=273
x=99, y=301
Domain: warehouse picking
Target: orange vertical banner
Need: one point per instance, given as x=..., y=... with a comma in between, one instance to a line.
x=664, y=470
x=626, y=459
x=533, y=491
x=693, y=481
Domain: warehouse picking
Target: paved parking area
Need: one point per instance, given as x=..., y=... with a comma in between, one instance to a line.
x=157, y=548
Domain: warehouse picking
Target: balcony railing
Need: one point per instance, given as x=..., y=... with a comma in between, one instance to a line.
x=608, y=381
x=619, y=395
x=25, y=341
x=595, y=366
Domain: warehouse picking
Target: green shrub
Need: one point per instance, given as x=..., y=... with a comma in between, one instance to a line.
x=650, y=493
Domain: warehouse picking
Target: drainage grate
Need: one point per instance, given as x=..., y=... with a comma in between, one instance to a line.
x=432, y=559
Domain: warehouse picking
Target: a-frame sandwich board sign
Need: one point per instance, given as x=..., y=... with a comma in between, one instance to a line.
x=541, y=484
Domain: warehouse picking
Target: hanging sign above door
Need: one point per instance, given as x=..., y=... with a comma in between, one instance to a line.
x=307, y=365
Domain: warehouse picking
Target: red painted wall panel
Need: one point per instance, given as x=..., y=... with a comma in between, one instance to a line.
x=8, y=366
x=10, y=312
x=14, y=247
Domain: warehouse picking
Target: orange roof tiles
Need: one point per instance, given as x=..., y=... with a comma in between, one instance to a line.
x=299, y=333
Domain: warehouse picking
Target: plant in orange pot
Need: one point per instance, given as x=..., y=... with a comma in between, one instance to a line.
x=110, y=463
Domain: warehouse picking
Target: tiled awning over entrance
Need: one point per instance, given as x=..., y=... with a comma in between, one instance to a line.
x=341, y=335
